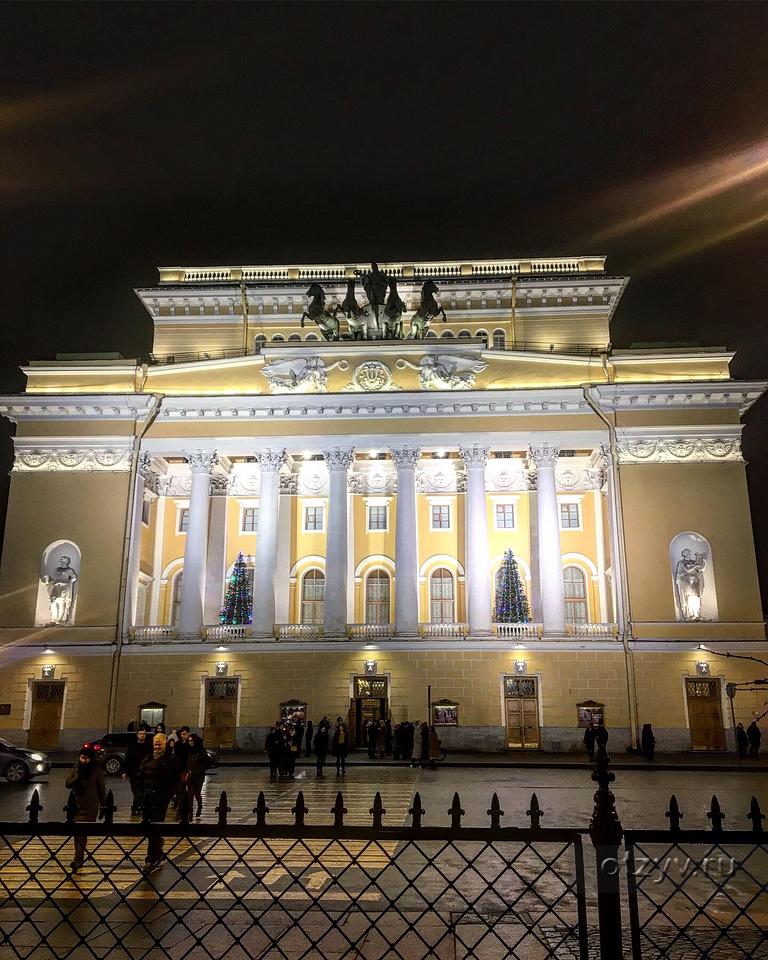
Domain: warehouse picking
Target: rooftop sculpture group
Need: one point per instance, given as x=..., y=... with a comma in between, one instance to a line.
x=381, y=318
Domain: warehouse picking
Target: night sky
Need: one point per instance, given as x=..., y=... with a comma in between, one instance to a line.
x=135, y=135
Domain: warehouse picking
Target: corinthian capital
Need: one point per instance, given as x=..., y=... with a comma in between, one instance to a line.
x=270, y=460
x=339, y=458
x=544, y=455
x=201, y=461
x=406, y=457
x=474, y=456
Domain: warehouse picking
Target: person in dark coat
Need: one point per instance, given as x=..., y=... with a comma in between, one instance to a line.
x=424, y=744
x=647, y=742
x=388, y=737
x=135, y=755
x=299, y=736
x=87, y=782
x=198, y=763
x=340, y=745
x=590, y=736
x=320, y=745
x=754, y=736
x=181, y=755
x=601, y=736
x=159, y=776
x=308, y=737
x=410, y=733
x=372, y=732
x=273, y=746
x=742, y=740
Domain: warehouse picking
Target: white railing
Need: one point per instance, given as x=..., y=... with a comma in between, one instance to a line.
x=366, y=630
x=444, y=629
x=593, y=629
x=153, y=634
x=518, y=631
x=228, y=631
x=298, y=631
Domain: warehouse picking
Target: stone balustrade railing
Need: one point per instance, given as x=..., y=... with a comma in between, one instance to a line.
x=518, y=631
x=153, y=634
x=449, y=630
x=298, y=631
x=593, y=630
x=366, y=630
x=228, y=631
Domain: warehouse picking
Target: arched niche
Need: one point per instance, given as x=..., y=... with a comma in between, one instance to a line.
x=58, y=585
x=693, y=577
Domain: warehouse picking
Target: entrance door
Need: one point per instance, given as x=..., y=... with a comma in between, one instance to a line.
x=45, y=722
x=369, y=703
x=220, y=713
x=705, y=714
x=522, y=711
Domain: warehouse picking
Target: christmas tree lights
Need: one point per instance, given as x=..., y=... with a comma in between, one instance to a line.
x=511, y=601
x=238, y=603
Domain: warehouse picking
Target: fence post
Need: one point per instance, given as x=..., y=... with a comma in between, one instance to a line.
x=606, y=832
x=35, y=807
x=261, y=810
x=495, y=813
x=755, y=815
x=338, y=810
x=377, y=811
x=416, y=811
x=456, y=813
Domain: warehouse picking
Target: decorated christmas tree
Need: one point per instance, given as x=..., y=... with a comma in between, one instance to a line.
x=238, y=602
x=511, y=601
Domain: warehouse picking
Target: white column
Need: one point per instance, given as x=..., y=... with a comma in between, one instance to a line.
x=265, y=563
x=157, y=561
x=335, y=617
x=406, y=544
x=550, y=557
x=193, y=585
x=217, y=552
x=597, y=504
x=283, y=571
x=476, y=542
x=350, y=556
x=134, y=559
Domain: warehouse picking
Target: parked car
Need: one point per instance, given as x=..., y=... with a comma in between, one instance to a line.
x=112, y=747
x=18, y=764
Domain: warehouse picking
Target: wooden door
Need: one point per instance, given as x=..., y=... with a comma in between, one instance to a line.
x=522, y=712
x=45, y=721
x=221, y=714
x=705, y=714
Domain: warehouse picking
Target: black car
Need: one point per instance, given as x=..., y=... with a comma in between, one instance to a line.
x=19, y=764
x=112, y=747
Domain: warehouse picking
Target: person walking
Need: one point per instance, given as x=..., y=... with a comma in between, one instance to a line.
x=198, y=763
x=320, y=745
x=308, y=737
x=181, y=755
x=273, y=749
x=87, y=782
x=647, y=742
x=159, y=776
x=754, y=736
x=590, y=736
x=601, y=736
x=340, y=746
x=135, y=755
x=742, y=741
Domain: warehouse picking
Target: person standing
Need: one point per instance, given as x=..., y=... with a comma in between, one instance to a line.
x=273, y=749
x=321, y=748
x=135, y=755
x=181, y=755
x=198, y=763
x=601, y=736
x=415, y=740
x=754, y=736
x=388, y=738
x=159, y=776
x=87, y=782
x=590, y=736
x=308, y=736
x=424, y=744
x=647, y=741
x=372, y=731
x=742, y=741
x=298, y=733
x=340, y=746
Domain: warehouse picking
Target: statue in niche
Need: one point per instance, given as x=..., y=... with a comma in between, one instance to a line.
x=428, y=308
x=61, y=590
x=689, y=583
x=316, y=312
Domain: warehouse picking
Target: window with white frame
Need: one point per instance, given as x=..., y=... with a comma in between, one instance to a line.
x=176, y=600
x=313, y=519
x=183, y=520
x=377, y=517
x=441, y=516
x=505, y=516
x=442, y=599
x=313, y=596
x=499, y=340
x=575, y=590
x=249, y=519
x=570, y=518
x=377, y=597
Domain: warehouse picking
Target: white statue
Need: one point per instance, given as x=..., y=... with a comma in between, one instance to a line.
x=61, y=591
x=296, y=375
x=442, y=370
x=689, y=583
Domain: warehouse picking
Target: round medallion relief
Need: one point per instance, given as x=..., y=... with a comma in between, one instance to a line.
x=372, y=375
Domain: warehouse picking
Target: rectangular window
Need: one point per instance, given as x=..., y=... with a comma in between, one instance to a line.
x=183, y=519
x=505, y=516
x=569, y=516
x=145, y=508
x=377, y=518
x=441, y=516
x=313, y=518
x=249, y=520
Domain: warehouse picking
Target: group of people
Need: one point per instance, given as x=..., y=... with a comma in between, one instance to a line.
x=289, y=736
x=748, y=741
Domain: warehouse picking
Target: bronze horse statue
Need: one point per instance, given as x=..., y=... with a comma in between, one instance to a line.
x=428, y=308
x=393, y=313
x=316, y=312
x=354, y=313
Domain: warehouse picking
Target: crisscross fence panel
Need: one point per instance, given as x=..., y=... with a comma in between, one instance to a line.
x=294, y=891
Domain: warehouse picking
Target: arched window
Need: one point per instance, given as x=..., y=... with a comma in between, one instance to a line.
x=499, y=340
x=465, y=335
x=442, y=603
x=575, y=589
x=377, y=597
x=431, y=335
x=176, y=599
x=482, y=335
x=313, y=596
x=295, y=336
x=259, y=342
x=278, y=337
x=311, y=336
x=447, y=335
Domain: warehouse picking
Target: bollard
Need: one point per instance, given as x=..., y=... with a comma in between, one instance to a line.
x=377, y=811
x=606, y=832
x=416, y=811
x=755, y=815
x=223, y=809
x=35, y=807
x=534, y=813
x=261, y=810
x=495, y=813
x=338, y=810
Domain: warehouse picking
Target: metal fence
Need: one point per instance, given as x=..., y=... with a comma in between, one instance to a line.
x=320, y=887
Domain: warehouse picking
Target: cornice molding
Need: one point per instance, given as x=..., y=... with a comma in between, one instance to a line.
x=80, y=406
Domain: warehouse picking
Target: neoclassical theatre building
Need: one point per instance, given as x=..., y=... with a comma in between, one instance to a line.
x=373, y=439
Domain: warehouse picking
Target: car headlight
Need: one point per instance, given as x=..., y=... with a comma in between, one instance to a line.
x=36, y=756
x=40, y=767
